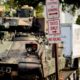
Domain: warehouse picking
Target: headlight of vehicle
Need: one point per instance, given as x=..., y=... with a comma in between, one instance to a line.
x=29, y=49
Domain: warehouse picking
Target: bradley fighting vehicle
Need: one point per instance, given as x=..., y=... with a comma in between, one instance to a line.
x=16, y=20
x=30, y=57
x=20, y=18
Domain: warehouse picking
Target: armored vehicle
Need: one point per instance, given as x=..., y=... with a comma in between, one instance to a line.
x=16, y=18
x=30, y=57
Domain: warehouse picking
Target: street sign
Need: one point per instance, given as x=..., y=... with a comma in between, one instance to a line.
x=52, y=7
x=54, y=31
x=53, y=39
x=54, y=27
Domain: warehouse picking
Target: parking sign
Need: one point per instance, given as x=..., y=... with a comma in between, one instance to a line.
x=54, y=31
x=53, y=27
x=52, y=7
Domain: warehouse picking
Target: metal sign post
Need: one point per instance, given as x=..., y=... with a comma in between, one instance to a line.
x=54, y=48
x=52, y=8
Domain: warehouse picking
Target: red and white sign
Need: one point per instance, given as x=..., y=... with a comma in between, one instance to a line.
x=54, y=39
x=54, y=31
x=52, y=7
x=54, y=27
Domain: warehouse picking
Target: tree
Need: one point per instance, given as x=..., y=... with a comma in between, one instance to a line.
x=73, y=4
x=39, y=10
x=76, y=3
x=33, y=3
x=78, y=20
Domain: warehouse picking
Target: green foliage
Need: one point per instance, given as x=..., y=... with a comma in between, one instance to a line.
x=78, y=20
x=72, y=4
x=7, y=7
x=34, y=3
x=39, y=10
x=9, y=4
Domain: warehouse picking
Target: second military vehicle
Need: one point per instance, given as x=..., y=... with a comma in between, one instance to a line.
x=22, y=18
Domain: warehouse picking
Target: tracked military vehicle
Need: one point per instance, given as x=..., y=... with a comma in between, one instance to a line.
x=30, y=57
x=17, y=18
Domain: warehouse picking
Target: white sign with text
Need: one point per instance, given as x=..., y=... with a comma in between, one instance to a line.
x=54, y=27
x=54, y=31
x=52, y=7
x=54, y=39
